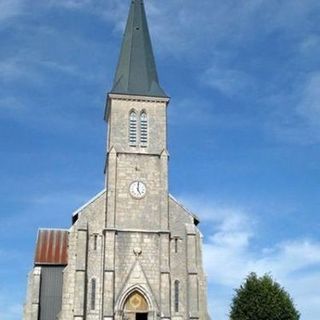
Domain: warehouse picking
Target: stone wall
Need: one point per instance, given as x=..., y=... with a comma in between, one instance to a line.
x=119, y=108
x=126, y=244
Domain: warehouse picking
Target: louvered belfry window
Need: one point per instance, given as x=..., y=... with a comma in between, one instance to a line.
x=143, y=129
x=133, y=128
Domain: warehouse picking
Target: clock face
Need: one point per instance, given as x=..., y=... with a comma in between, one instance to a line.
x=137, y=189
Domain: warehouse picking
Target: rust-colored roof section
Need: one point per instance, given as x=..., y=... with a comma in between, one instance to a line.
x=52, y=247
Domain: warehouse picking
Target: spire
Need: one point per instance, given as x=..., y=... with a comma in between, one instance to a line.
x=136, y=72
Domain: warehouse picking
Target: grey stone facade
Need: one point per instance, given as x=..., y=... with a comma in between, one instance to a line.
x=127, y=244
x=131, y=257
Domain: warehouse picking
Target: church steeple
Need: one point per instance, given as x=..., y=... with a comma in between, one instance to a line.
x=136, y=72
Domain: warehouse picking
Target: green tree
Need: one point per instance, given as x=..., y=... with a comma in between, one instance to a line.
x=261, y=298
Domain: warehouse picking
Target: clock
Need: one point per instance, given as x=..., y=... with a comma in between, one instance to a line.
x=137, y=189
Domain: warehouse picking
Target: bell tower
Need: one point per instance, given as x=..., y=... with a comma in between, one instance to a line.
x=136, y=112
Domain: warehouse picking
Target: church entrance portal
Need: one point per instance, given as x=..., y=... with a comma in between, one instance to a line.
x=136, y=307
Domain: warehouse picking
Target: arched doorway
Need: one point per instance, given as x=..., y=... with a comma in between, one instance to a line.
x=136, y=307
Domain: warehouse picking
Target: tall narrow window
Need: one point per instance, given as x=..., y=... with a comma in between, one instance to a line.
x=95, y=242
x=176, y=295
x=176, y=245
x=143, y=129
x=93, y=294
x=132, y=128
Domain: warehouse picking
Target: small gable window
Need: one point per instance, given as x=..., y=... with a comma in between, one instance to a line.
x=143, y=129
x=133, y=128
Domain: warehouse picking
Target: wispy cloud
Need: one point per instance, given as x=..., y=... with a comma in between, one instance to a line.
x=70, y=4
x=112, y=10
x=32, y=68
x=296, y=113
x=309, y=106
x=184, y=25
x=310, y=45
x=11, y=106
x=231, y=253
x=229, y=82
x=14, y=68
x=10, y=9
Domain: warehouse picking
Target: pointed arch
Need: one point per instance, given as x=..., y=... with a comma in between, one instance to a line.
x=136, y=302
x=132, y=127
x=143, y=128
x=143, y=291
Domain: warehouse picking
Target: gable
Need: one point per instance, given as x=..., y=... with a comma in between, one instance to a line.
x=93, y=205
x=178, y=208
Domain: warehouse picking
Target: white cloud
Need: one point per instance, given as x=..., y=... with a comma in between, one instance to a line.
x=10, y=8
x=296, y=114
x=113, y=10
x=232, y=251
x=185, y=26
x=227, y=81
x=310, y=45
x=21, y=68
x=70, y=4
x=12, y=69
x=309, y=106
x=11, y=106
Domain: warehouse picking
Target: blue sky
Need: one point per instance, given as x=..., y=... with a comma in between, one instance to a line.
x=244, y=130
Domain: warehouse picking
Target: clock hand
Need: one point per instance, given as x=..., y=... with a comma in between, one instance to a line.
x=139, y=187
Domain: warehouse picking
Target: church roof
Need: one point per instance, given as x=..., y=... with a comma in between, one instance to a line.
x=52, y=247
x=136, y=72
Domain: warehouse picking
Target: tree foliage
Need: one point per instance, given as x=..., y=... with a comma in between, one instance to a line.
x=262, y=299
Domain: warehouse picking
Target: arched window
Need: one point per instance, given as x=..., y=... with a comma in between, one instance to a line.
x=176, y=295
x=93, y=294
x=132, y=128
x=143, y=129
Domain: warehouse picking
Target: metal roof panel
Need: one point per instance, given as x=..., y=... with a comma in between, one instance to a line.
x=136, y=72
x=52, y=247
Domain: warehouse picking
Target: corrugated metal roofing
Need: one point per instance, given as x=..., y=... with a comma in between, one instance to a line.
x=52, y=247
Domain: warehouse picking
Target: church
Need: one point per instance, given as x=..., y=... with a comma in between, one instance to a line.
x=133, y=251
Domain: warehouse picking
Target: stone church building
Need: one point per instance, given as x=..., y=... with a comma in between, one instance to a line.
x=133, y=252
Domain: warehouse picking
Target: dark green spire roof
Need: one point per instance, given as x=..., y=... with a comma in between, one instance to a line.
x=136, y=72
